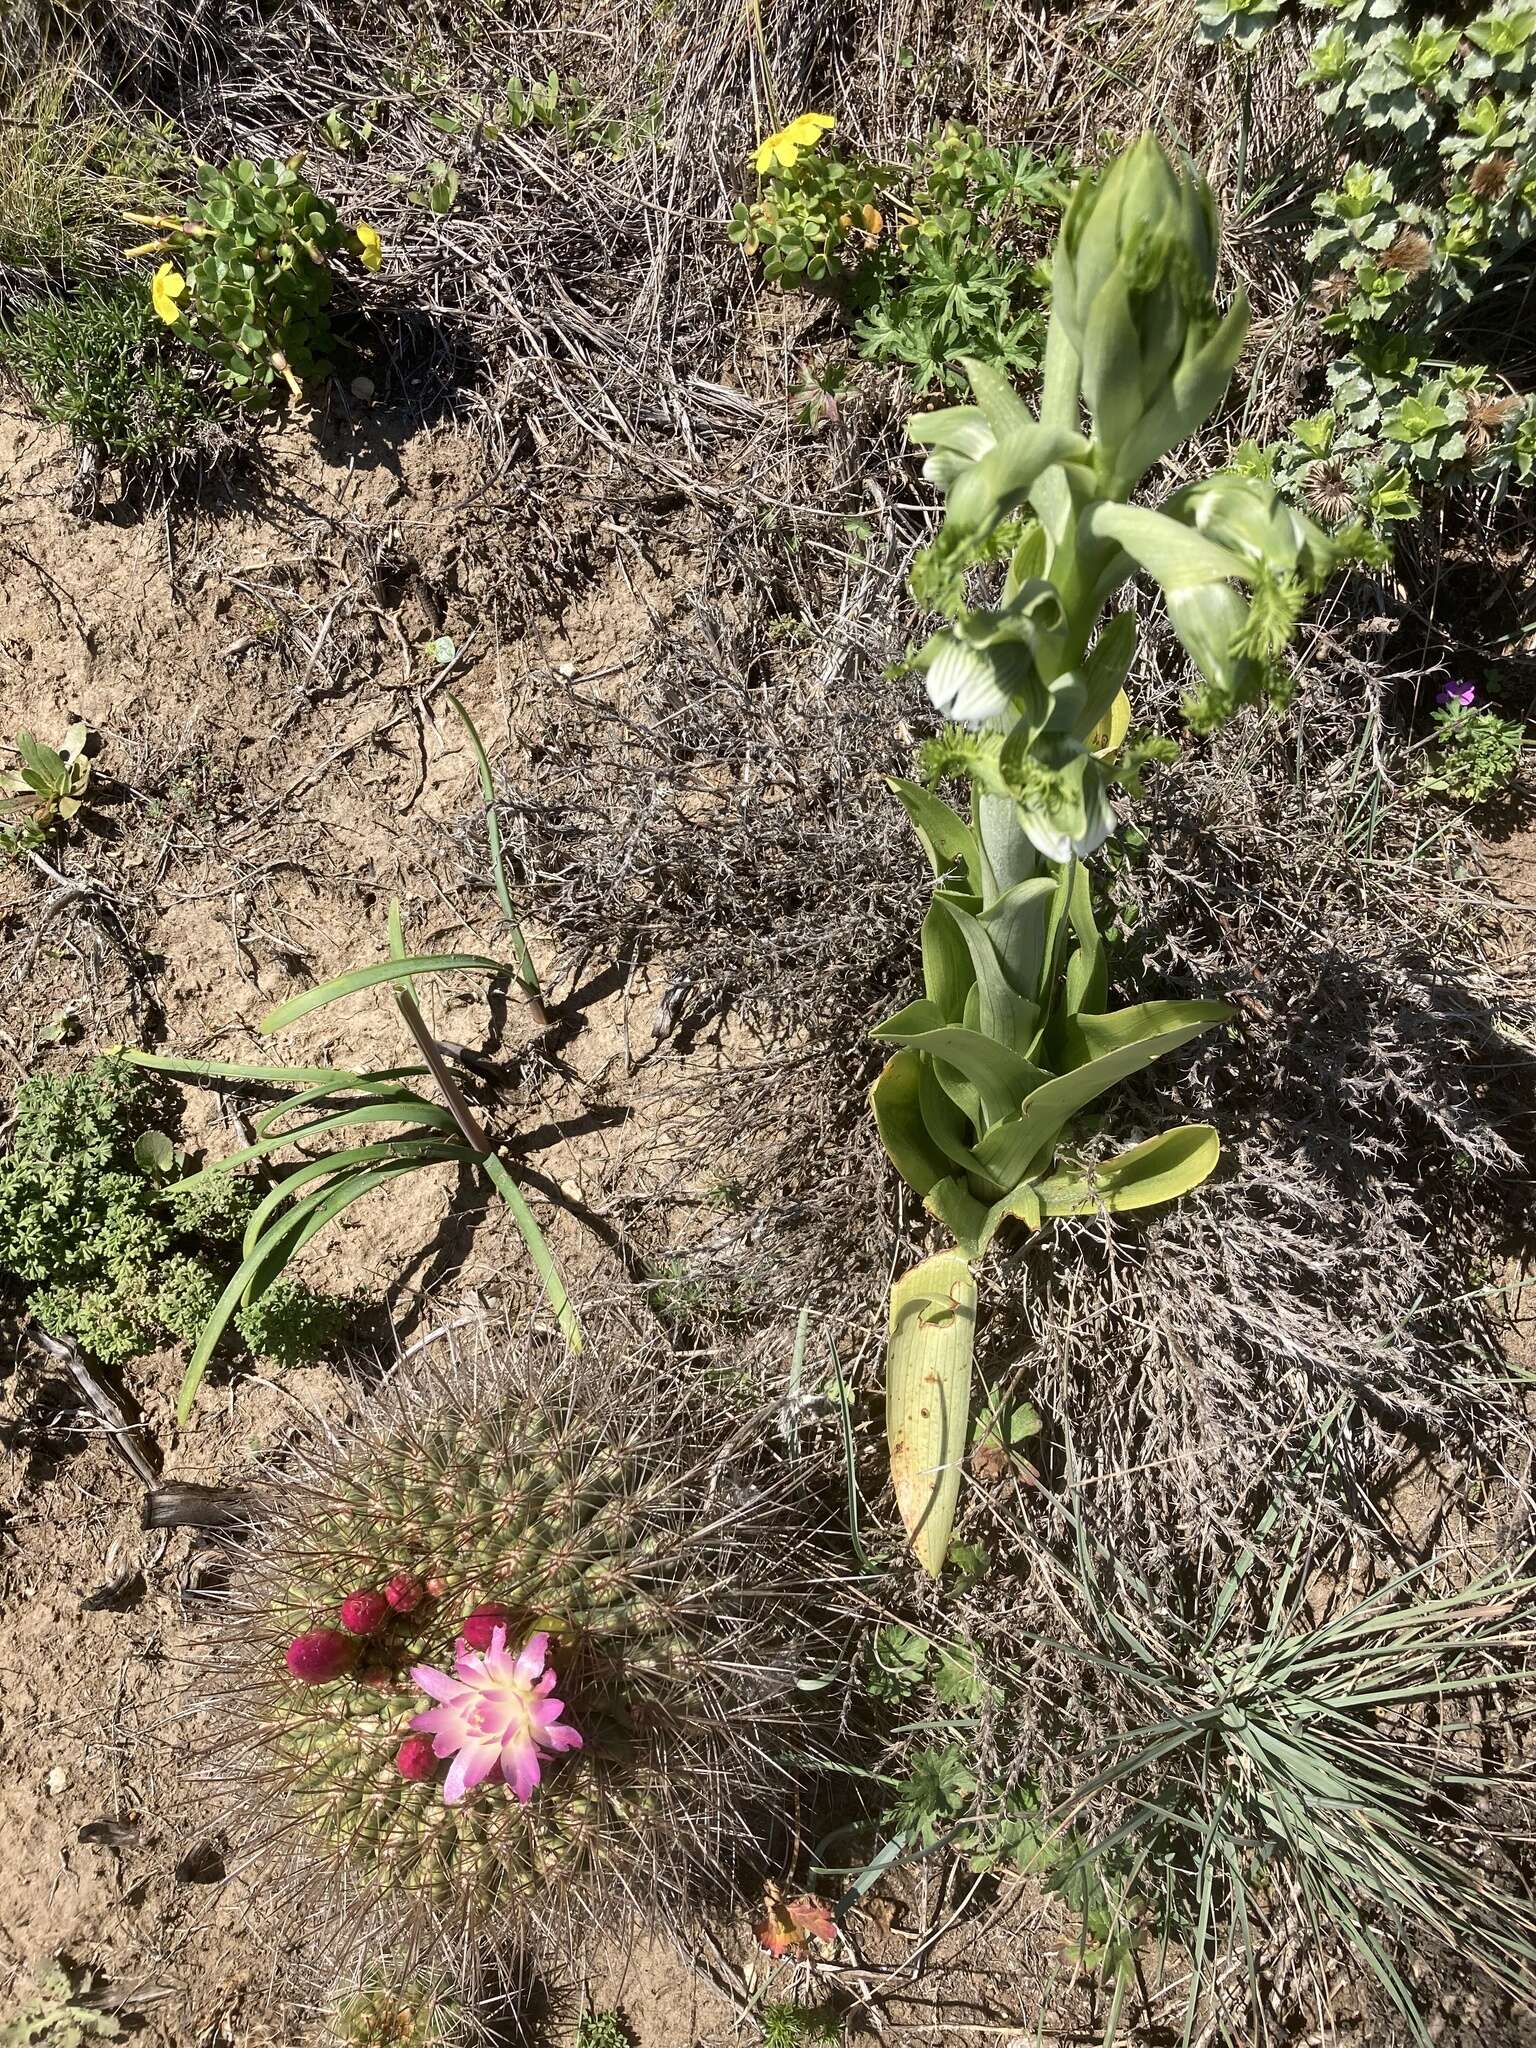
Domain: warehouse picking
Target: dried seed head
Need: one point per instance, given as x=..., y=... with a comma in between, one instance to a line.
x=1410, y=253
x=1489, y=178
x=1486, y=418
x=1330, y=492
x=1333, y=291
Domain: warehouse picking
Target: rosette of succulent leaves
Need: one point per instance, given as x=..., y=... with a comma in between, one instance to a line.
x=1428, y=229
x=1013, y=1035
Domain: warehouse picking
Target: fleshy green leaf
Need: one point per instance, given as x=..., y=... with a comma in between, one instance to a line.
x=928, y=1398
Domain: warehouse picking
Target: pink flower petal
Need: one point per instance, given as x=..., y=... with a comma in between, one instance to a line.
x=470, y=1766
x=563, y=1737
x=438, y=1683
x=531, y=1663
x=520, y=1767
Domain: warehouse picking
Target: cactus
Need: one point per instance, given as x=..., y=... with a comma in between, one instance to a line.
x=421, y=2012
x=666, y=1571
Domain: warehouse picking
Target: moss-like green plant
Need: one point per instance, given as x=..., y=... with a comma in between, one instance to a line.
x=407, y=1603
x=99, y=363
x=99, y=1245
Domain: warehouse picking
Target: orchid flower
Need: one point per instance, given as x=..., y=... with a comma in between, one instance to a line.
x=495, y=1710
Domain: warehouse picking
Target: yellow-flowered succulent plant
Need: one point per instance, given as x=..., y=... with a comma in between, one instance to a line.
x=247, y=276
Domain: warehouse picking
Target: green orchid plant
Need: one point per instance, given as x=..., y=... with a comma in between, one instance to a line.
x=1013, y=1036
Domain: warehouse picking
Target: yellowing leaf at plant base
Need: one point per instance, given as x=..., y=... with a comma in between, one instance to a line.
x=928, y=1397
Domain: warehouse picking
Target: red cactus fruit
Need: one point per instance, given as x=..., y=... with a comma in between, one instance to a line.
x=480, y=1621
x=414, y=1758
x=320, y=1655
x=362, y=1613
x=405, y=1593
x=437, y=1588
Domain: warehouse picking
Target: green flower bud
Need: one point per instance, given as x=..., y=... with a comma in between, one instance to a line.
x=1132, y=284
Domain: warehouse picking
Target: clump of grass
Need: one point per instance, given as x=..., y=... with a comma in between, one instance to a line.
x=1281, y=1778
x=96, y=361
x=70, y=167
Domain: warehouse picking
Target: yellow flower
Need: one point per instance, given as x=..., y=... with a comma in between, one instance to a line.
x=779, y=152
x=370, y=245
x=168, y=287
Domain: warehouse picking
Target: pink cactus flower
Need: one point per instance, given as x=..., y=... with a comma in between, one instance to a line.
x=496, y=1710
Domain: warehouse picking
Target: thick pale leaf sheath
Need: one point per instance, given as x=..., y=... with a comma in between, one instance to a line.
x=928, y=1397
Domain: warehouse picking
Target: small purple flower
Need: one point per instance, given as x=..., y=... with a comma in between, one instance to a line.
x=1457, y=696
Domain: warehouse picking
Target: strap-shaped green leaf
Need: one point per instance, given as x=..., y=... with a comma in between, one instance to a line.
x=948, y=975
x=1017, y=922
x=1020, y=1149
x=403, y=1150
x=281, y=1243
x=1159, y=1169
x=538, y=1250
x=427, y=1114
x=946, y=838
x=1001, y=1077
x=1006, y=855
x=946, y=1123
x=1003, y=1014
x=1091, y=1037
x=928, y=1398
x=368, y=977
x=1088, y=968
x=899, y=1119
x=1174, y=554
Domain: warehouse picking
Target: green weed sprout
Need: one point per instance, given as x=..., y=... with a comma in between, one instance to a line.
x=248, y=274
x=1012, y=1037
x=60, y=2012
x=328, y=1102
x=45, y=790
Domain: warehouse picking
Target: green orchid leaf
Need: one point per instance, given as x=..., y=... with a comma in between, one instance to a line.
x=1091, y=1037
x=1001, y=1078
x=895, y=1100
x=1159, y=1169
x=1003, y=1013
x=946, y=838
x=1020, y=1149
x=928, y=1398
x=1173, y=554
x=1017, y=923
